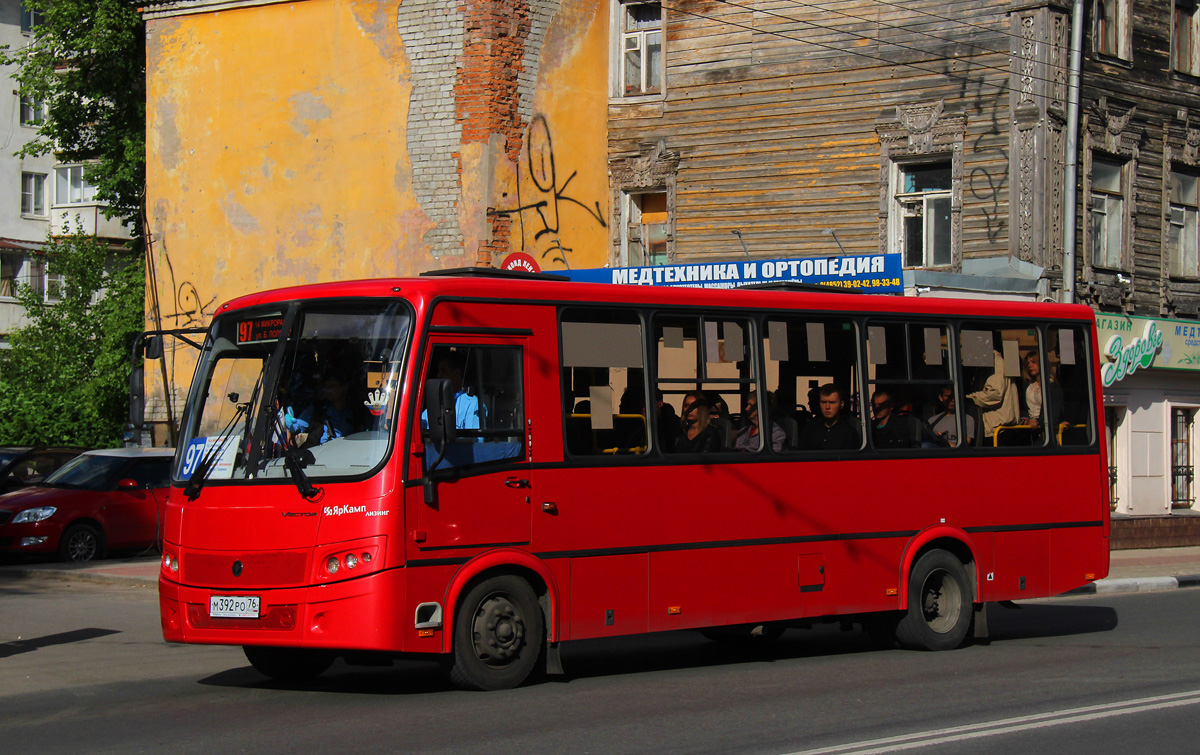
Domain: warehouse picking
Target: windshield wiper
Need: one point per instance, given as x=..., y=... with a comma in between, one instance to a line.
x=294, y=463
x=195, y=482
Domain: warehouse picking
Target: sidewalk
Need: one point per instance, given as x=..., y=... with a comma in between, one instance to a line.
x=1130, y=571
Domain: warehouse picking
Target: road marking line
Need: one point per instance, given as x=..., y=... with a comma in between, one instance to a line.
x=1007, y=725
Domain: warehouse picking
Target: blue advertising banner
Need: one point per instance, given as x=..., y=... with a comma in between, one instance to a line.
x=878, y=273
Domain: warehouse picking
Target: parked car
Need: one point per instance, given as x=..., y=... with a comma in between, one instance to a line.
x=110, y=499
x=24, y=465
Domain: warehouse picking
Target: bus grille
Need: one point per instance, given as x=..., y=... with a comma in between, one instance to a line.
x=275, y=569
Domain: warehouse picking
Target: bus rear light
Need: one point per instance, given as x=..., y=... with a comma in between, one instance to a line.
x=332, y=565
x=170, y=562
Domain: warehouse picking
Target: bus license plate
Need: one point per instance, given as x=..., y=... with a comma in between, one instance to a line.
x=233, y=606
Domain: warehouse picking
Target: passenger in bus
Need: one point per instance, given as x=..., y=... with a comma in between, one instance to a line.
x=699, y=434
x=891, y=429
x=833, y=430
x=468, y=414
x=944, y=424
x=997, y=397
x=1033, y=409
x=669, y=424
x=334, y=416
x=747, y=436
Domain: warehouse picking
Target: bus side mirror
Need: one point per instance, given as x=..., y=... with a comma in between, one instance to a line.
x=439, y=410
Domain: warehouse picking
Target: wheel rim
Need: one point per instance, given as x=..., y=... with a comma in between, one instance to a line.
x=498, y=630
x=81, y=546
x=941, y=601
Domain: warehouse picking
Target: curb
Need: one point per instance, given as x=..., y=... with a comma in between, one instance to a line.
x=79, y=575
x=1136, y=584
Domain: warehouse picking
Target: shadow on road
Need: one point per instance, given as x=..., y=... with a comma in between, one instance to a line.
x=668, y=651
x=9, y=649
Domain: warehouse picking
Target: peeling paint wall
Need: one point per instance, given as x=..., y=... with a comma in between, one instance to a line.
x=318, y=140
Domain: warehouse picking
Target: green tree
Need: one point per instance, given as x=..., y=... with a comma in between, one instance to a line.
x=66, y=378
x=86, y=61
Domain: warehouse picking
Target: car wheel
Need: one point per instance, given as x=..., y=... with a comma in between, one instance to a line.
x=80, y=543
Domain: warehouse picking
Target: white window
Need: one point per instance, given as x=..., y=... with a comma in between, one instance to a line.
x=53, y=286
x=71, y=188
x=1106, y=211
x=1182, y=464
x=922, y=231
x=33, y=194
x=640, y=60
x=33, y=112
x=1111, y=29
x=1185, y=56
x=1183, y=241
x=647, y=228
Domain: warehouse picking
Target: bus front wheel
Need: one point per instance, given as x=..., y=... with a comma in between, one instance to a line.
x=939, y=604
x=498, y=635
x=288, y=664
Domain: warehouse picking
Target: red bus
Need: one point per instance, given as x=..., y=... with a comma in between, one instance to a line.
x=479, y=466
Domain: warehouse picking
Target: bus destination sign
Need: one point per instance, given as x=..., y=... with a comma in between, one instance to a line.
x=260, y=329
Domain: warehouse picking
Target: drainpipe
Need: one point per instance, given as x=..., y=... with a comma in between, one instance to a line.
x=1071, y=174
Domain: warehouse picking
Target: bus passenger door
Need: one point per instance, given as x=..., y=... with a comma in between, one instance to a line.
x=481, y=479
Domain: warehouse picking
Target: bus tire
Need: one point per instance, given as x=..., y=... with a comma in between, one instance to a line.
x=498, y=635
x=288, y=664
x=80, y=543
x=939, y=604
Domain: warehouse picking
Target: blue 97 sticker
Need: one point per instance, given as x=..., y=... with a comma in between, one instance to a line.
x=192, y=456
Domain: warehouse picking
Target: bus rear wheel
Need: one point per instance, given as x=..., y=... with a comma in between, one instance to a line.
x=939, y=604
x=288, y=664
x=498, y=635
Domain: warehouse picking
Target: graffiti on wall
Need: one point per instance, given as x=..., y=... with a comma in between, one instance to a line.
x=542, y=197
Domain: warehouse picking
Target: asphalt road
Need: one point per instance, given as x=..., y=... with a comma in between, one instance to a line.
x=83, y=668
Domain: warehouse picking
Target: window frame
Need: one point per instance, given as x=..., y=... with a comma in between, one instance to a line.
x=1184, y=217
x=33, y=195
x=1109, y=261
x=620, y=36
x=1185, y=32
x=1117, y=45
x=32, y=111
x=902, y=203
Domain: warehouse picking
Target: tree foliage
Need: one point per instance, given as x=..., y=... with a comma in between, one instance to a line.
x=66, y=378
x=86, y=61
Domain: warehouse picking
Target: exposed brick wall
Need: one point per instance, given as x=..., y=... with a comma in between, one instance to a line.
x=432, y=32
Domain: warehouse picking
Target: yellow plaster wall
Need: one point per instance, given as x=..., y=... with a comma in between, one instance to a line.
x=276, y=154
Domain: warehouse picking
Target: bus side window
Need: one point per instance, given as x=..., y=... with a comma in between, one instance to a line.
x=604, y=383
x=812, y=371
x=1069, y=394
x=914, y=400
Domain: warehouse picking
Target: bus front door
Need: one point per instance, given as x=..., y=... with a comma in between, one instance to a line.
x=481, y=485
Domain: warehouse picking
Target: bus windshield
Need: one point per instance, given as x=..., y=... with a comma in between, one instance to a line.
x=310, y=386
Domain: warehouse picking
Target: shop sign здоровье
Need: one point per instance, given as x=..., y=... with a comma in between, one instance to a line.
x=1128, y=344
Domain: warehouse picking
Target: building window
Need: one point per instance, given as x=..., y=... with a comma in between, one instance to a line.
x=33, y=112
x=1106, y=213
x=923, y=200
x=1110, y=34
x=1183, y=243
x=1185, y=56
x=71, y=188
x=30, y=19
x=647, y=229
x=640, y=70
x=1182, y=470
x=33, y=194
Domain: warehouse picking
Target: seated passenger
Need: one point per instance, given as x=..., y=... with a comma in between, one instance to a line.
x=944, y=424
x=699, y=434
x=334, y=416
x=832, y=430
x=891, y=429
x=747, y=437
